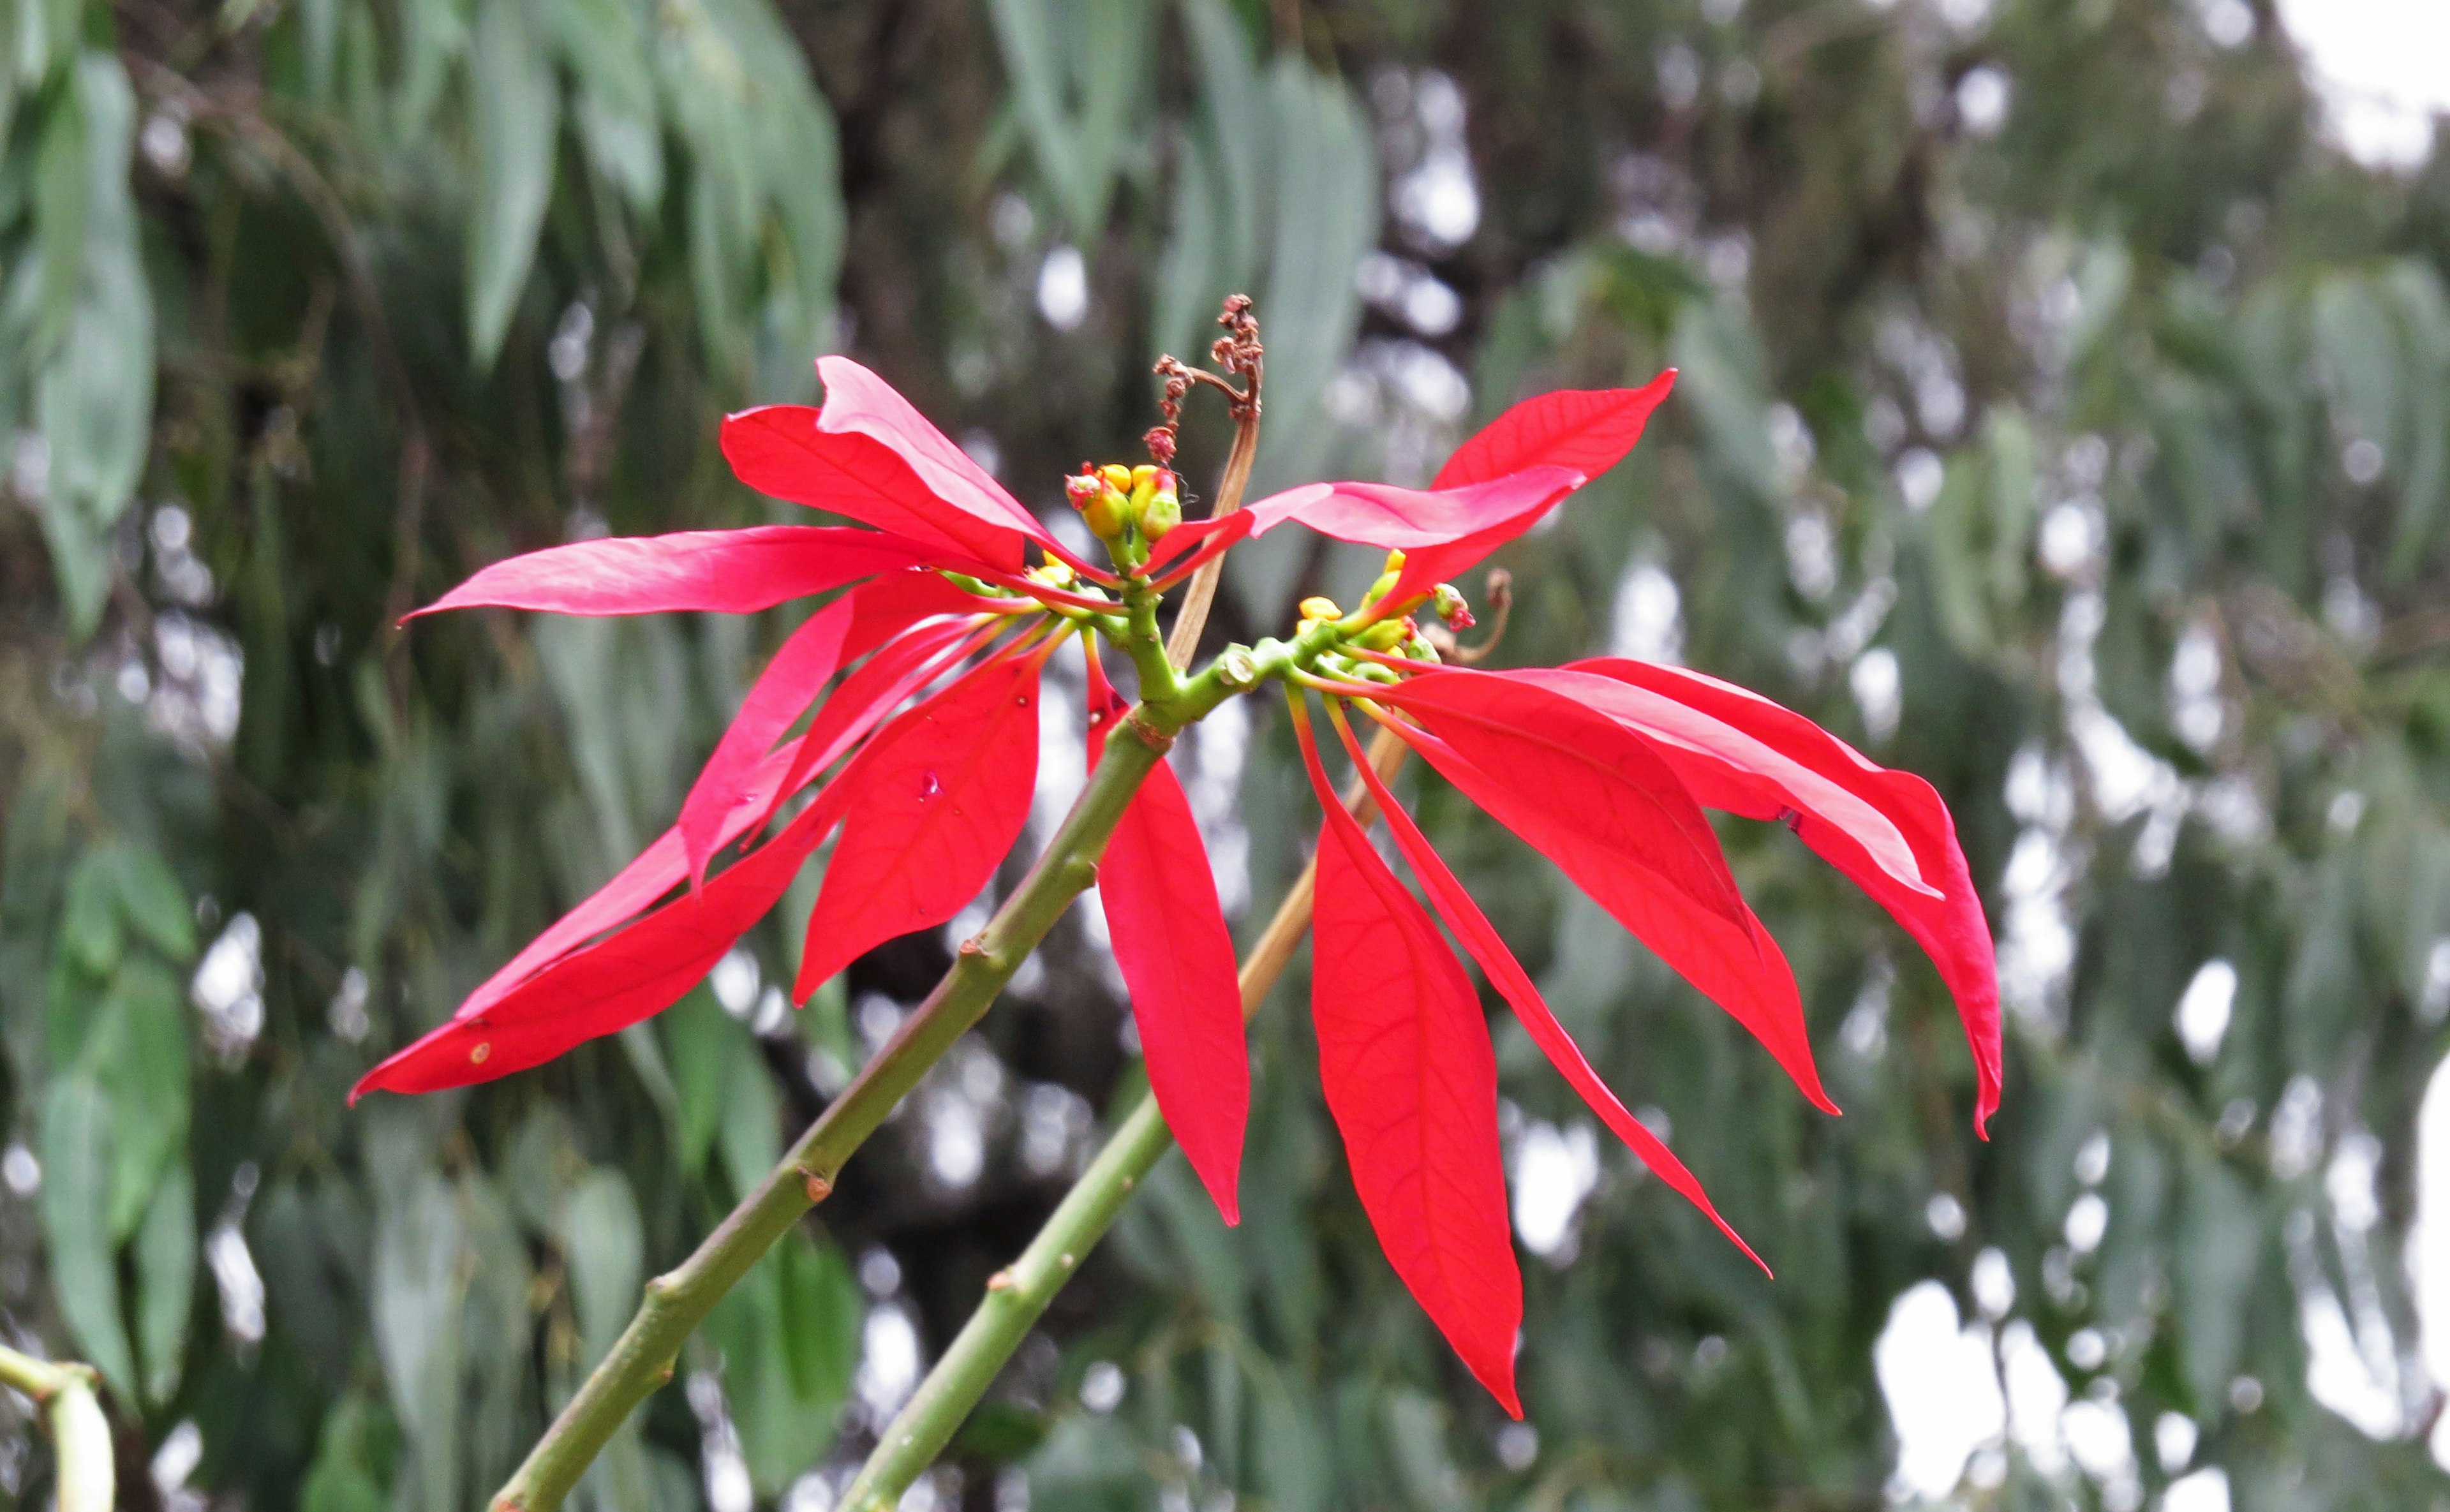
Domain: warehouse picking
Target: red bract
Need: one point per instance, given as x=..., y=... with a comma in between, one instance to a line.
x=611, y=985
x=728, y=571
x=1177, y=957
x=1599, y=801
x=1480, y=940
x=611, y=961
x=1442, y=533
x=1887, y=831
x=1404, y=1060
x=1587, y=430
x=934, y=802
x=868, y=455
x=798, y=672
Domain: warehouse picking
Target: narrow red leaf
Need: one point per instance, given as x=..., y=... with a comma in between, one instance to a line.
x=1934, y=900
x=1480, y=938
x=1588, y=430
x=612, y=985
x=1209, y=536
x=1404, y=1060
x=1725, y=768
x=1411, y=518
x=790, y=683
x=729, y=571
x=860, y=403
x=1441, y=533
x=779, y=451
x=1177, y=957
x=1599, y=801
x=934, y=802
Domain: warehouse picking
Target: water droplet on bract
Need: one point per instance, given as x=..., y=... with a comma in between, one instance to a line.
x=1023, y=700
x=929, y=786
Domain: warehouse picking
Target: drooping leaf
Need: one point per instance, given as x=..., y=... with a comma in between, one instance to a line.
x=728, y=571
x=516, y=102
x=1177, y=958
x=790, y=1334
x=166, y=1282
x=139, y=1055
x=1587, y=430
x=1404, y=1060
x=418, y=1279
x=1076, y=69
x=605, y=43
x=154, y=902
x=606, y=1250
x=1600, y=803
x=1470, y=925
x=934, y=803
x=77, y=1167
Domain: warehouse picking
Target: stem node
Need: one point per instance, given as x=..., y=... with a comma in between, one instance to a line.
x=817, y=1187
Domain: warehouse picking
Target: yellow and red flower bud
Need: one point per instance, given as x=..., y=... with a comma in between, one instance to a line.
x=1102, y=507
x=1451, y=607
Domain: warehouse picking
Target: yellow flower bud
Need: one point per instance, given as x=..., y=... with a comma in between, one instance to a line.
x=1314, y=609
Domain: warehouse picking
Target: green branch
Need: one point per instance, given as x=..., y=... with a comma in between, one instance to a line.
x=80, y=1434
x=1017, y=1297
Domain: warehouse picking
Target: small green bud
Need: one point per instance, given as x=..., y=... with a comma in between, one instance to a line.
x=1385, y=636
x=1161, y=510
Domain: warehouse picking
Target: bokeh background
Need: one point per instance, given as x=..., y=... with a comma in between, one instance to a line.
x=2065, y=417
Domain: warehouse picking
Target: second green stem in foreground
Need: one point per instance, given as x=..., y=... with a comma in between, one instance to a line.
x=1017, y=1297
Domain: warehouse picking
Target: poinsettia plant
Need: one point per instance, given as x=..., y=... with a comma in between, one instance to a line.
x=900, y=721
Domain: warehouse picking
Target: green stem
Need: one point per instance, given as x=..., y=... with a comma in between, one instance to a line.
x=1014, y=1302
x=1016, y=1298
x=80, y=1434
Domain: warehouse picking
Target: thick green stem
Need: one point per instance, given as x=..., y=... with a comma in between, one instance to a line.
x=80, y=1434
x=1017, y=1297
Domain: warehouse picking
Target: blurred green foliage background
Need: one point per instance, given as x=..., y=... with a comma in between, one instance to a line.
x=2061, y=419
